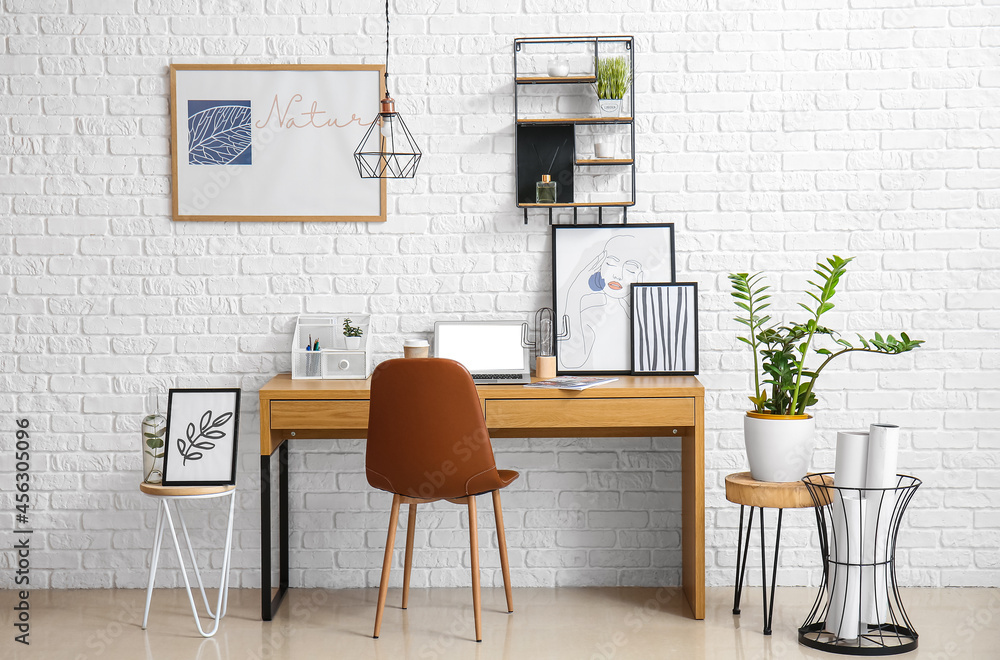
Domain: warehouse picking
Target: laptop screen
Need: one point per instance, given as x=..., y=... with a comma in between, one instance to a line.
x=481, y=346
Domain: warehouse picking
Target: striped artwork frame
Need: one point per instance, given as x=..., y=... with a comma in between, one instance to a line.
x=665, y=328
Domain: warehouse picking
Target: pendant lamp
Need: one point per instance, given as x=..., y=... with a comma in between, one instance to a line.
x=387, y=151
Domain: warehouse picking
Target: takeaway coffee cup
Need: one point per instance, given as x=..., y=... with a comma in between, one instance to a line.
x=416, y=348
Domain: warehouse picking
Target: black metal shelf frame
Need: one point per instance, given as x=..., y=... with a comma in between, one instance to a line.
x=596, y=42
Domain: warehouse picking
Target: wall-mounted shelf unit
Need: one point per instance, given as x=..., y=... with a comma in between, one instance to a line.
x=548, y=144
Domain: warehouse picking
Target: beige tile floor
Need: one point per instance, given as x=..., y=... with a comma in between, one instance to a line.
x=587, y=624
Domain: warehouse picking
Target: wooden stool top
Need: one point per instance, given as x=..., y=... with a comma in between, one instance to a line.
x=179, y=491
x=741, y=488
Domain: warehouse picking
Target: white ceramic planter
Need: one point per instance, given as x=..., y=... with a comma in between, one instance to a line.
x=610, y=107
x=353, y=343
x=779, y=447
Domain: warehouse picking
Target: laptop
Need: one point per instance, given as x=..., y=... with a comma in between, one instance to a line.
x=491, y=350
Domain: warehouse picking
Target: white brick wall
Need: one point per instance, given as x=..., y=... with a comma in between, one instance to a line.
x=771, y=133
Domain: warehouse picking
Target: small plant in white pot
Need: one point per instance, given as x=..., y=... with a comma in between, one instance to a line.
x=613, y=80
x=778, y=432
x=352, y=335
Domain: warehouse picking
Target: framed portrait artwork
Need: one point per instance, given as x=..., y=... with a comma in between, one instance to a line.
x=273, y=141
x=593, y=268
x=665, y=328
x=203, y=427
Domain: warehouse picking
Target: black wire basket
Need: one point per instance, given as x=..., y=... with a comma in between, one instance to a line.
x=858, y=610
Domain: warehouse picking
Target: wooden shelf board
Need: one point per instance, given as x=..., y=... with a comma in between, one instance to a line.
x=552, y=80
x=605, y=161
x=577, y=120
x=573, y=204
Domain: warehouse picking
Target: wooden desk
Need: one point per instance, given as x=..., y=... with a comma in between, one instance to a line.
x=633, y=406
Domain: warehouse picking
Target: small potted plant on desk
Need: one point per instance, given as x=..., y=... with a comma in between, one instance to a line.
x=613, y=80
x=778, y=432
x=352, y=335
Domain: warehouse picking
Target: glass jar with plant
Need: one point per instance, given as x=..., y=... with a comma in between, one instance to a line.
x=614, y=76
x=778, y=431
x=153, y=428
x=352, y=334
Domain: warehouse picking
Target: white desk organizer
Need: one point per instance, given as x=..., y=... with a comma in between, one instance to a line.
x=334, y=360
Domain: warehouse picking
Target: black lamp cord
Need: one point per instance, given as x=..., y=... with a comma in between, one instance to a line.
x=386, y=49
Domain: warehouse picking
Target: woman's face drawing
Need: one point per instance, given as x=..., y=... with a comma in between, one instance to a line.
x=617, y=272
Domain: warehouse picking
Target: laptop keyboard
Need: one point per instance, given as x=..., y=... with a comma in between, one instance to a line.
x=497, y=376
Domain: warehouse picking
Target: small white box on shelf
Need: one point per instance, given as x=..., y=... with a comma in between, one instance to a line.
x=331, y=354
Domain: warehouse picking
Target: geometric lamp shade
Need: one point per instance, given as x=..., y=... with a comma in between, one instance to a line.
x=390, y=152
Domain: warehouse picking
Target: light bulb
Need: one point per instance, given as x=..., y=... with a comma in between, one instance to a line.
x=545, y=337
x=386, y=129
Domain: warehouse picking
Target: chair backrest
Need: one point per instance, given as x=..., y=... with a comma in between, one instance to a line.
x=427, y=436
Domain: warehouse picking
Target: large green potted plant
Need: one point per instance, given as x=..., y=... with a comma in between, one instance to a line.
x=778, y=431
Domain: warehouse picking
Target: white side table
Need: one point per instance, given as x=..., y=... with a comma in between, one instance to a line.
x=164, y=495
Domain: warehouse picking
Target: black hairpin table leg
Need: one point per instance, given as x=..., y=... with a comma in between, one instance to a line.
x=742, y=550
x=769, y=611
x=741, y=553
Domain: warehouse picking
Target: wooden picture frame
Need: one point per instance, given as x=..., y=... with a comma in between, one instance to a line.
x=202, y=437
x=273, y=142
x=665, y=329
x=592, y=268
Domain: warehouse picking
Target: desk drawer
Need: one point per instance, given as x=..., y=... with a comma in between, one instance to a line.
x=588, y=413
x=321, y=415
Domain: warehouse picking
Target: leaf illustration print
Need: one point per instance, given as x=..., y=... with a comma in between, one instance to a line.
x=199, y=439
x=219, y=133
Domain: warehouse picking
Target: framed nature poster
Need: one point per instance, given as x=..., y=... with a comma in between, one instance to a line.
x=593, y=268
x=273, y=142
x=665, y=329
x=202, y=430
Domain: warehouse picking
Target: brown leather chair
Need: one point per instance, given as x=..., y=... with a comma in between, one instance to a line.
x=427, y=441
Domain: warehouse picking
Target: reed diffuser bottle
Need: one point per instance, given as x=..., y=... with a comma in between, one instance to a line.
x=545, y=190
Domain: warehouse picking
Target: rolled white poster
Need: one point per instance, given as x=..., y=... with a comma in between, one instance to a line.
x=883, y=457
x=852, y=459
x=844, y=610
x=883, y=454
x=844, y=584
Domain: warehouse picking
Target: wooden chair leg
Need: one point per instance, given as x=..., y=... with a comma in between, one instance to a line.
x=502, y=542
x=390, y=541
x=411, y=526
x=474, y=547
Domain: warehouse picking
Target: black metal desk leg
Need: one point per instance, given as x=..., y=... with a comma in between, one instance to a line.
x=283, y=520
x=269, y=606
x=741, y=553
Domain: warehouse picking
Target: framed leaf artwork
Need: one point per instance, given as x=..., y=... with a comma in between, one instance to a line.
x=202, y=432
x=273, y=141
